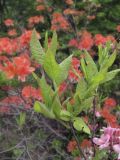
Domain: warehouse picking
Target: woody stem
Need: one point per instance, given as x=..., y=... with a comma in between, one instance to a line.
x=77, y=141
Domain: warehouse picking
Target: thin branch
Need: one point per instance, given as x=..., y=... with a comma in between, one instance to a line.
x=94, y=123
x=28, y=153
x=53, y=131
x=12, y=148
x=76, y=138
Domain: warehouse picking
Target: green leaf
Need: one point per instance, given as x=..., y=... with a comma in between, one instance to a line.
x=57, y=72
x=65, y=115
x=100, y=54
x=36, y=48
x=56, y=105
x=46, y=41
x=87, y=104
x=37, y=107
x=53, y=44
x=100, y=154
x=109, y=61
x=81, y=88
x=43, y=109
x=83, y=65
x=99, y=77
x=69, y=107
x=91, y=68
x=51, y=67
x=80, y=125
x=64, y=68
x=82, y=105
x=111, y=75
x=88, y=66
x=21, y=119
x=46, y=90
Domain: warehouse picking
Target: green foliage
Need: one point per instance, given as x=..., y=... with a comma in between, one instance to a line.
x=80, y=125
x=36, y=48
x=57, y=72
x=21, y=119
x=100, y=154
x=86, y=89
x=42, y=108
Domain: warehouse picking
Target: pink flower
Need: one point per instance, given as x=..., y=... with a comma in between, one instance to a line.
x=109, y=139
x=103, y=141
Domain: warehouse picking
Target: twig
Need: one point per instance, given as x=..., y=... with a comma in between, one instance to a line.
x=53, y=131
x=94, y=122
x=27, y=150
x=12, y=148
x=78, y=145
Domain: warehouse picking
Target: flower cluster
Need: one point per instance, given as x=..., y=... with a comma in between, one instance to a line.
x=59, y=22
x=35, y=20
x=20, y=67
x=7, y=45
x=9, y=22
x=31, y=92
x=110, y=139
x=86, y=41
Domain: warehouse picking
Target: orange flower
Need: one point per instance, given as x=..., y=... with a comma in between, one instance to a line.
x=35, y=20
x=10, y=70
x=73, y=43
x=31, y=92
x=40, y=8
x=86, y=143
x=72, y=145
x=20, y=66
x=59, y=22
x=12, y=32
x=39, y=1
x=118, y=28
x=86, y=41
x=71, y=11
x=69, y=2
x=9, y=22
x=91, y=17
x=8, y=45
x=110, y=103
x=109, y=118
x=100, y=39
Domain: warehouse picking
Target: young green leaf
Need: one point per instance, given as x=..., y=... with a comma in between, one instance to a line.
x=81, y=88
x=110, y=75
x=36, y=48
x=80, y=125
x=109, y=61
x=57, y=72
x=41, y=108
x=21, y=119
x=53, y=44
x=65, y=115
x=46, y=42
